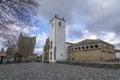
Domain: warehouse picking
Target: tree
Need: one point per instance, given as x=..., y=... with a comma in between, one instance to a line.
x=14, y=15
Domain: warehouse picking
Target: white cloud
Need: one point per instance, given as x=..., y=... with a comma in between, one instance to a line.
x=86, y=18
x=38, y=51
x=34, y=28
x=40, y=42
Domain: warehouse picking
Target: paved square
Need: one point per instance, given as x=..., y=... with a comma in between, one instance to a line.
x=54, y=71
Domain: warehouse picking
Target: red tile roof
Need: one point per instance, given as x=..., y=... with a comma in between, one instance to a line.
x=2, y=54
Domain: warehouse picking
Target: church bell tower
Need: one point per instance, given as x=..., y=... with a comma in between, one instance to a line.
x=57, y=40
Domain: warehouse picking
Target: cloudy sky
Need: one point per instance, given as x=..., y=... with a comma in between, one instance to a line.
x=92, y=19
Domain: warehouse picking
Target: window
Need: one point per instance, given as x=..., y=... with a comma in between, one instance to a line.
x=87, y=47
x=50, y=55
x=59, y=23
x=51, y=44
x=83, y=47
x=91, y=47
x=75, y=48
x=72, y=58
x=79, y=48
x=96, y=46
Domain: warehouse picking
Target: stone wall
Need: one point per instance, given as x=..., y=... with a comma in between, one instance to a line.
x=91, y=52
x=46, y=51
x=25, y=49
x=90, y=56
x=32, y=57
x=26, y=45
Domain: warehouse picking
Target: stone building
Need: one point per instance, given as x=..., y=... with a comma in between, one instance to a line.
x=10, y=54
x=46, y=51
x=91, y=51
x=25, y=49
x=84, y=51
x=3, y=58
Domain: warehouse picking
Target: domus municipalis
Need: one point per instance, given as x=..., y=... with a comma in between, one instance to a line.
x=56, y=49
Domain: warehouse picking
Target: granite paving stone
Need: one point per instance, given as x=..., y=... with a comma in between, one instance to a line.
x=54, y=71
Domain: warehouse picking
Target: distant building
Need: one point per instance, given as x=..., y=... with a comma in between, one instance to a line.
x=26, y=48
x=10, y=54
x=3, y=57
x=39, y=58
x=84, y=51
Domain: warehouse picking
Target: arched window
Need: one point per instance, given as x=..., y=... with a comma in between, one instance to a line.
x=79, y=48
x=96, y=46
x=51, y=44
x=91, y=47
x=87, y=47
x=83, y=47
x=59, y=23
x=50, y=55
x=76, y=48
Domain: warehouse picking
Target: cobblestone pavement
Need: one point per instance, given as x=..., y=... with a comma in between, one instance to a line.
x=54, y=71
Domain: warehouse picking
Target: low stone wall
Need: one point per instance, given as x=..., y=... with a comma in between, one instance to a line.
x=106, y=65
x=32, y=57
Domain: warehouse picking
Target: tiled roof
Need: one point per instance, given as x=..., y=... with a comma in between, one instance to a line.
x=87, y=41
x=2, y=54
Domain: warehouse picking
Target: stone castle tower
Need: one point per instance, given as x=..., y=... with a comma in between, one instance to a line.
x=57, y=40
x=26, y=44
x=25, y=49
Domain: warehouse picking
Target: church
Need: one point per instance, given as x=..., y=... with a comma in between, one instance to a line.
x=89, y=50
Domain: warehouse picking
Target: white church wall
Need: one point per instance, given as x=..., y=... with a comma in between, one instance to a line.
x=60, y=41
x=57, y=36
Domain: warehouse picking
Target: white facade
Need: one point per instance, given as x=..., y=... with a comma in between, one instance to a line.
x=57, y=40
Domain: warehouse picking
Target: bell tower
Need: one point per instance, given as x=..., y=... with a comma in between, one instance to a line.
x=57, y=40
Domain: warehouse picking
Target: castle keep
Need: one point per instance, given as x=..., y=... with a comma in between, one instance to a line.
x=26, y=48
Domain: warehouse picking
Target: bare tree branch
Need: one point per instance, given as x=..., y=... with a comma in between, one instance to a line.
x=15, y=12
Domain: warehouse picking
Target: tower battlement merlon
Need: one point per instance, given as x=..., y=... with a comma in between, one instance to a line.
x=57, y=17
